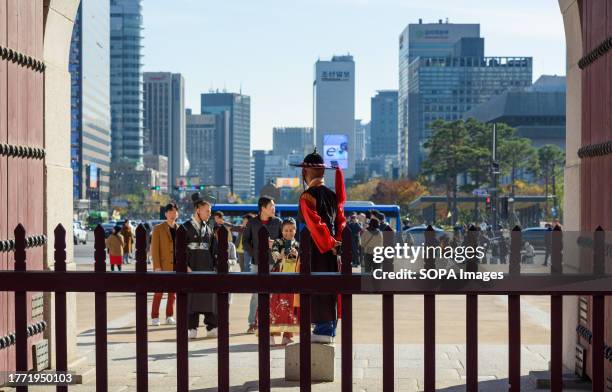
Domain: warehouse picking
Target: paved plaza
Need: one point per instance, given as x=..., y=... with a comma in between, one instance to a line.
x=367, y=361
x=367, y=345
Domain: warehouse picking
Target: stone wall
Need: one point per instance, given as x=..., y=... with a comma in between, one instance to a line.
x=571, y=203
x=59, y=20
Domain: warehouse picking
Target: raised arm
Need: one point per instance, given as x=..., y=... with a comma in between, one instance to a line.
x=318, y=229
x=340, y=199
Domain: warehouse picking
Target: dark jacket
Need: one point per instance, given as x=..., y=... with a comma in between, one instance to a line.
x=323, y=201
x=250, y=239
x=201, y=256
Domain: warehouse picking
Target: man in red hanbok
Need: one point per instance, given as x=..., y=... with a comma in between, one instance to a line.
x=322, y=211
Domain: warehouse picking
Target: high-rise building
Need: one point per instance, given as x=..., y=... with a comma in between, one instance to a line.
x=360, y=139
x=383, y=124
x=90, y=103
x=126, y=81
x=259, y=166
x=444, y=79
x=158, y=163
x=334, y=111
x=537, y=113
x=207, y=147
x=549, y=84
x=235, y=162
x=164, y=120
x=423, y=40
x=285, y=140
x=279, y=167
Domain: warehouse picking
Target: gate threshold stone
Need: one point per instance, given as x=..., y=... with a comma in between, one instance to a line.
x=322, y=362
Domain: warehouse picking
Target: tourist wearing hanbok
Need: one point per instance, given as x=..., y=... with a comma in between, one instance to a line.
x=284, y=317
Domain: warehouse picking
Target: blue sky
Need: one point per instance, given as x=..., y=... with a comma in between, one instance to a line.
x=268, y=47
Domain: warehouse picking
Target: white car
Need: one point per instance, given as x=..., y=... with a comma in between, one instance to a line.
x=79, y=233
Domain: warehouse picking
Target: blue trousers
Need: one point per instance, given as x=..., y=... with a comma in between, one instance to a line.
x=327, y=328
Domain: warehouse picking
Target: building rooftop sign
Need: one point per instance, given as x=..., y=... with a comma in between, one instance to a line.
x=335, y=76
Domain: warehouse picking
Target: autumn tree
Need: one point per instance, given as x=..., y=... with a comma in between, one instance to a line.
x=517, y=154
x=385, y=191
x=400, y=192
x=449, y=155
x=363, y=191
x=551, y=159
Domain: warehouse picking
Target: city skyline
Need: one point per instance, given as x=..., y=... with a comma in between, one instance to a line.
x=278, y=77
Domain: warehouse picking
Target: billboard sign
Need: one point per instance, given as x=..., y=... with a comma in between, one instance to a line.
x=335, y=150
x=287, y=182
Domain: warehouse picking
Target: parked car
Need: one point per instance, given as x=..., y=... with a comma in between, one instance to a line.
x=536, y=236
x=108, y=228
x=79, y=233
x=418, y=234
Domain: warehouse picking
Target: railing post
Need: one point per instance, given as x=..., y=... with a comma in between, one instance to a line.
x=514, y=315
x=61, y=338
x=556, y=315
x=142, y=353
x=347, y=314
x=388, y=382
x=430, y=323
x=263, y=313
x=223, y=369
x=100, y=306
x=305, y=323
x=598, y=312
x=21, y=315
x=182, y=349
x=471, y=320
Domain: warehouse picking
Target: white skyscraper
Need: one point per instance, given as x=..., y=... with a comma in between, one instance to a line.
x=164, y=120
x=334, y=111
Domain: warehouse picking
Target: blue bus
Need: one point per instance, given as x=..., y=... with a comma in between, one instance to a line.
x=392, y=212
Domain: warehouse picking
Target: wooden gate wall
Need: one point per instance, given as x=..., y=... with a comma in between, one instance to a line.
x=596, y=141
x=21, y=145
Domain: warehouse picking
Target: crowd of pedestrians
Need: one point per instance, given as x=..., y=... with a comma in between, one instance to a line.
x=320, y=215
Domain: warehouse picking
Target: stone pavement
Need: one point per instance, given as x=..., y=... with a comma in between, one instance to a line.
x=367, y=344
x=367, y=361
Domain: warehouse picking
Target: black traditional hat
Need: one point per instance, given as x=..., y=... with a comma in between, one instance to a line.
x=313, y=160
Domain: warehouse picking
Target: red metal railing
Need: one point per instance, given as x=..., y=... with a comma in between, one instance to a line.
x=306, y=283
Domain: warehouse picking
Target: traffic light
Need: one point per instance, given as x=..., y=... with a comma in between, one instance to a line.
x=489, y=204
x=156, y=188
x=495, y=167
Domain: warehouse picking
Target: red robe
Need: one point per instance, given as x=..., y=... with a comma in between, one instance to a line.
x=318, y=229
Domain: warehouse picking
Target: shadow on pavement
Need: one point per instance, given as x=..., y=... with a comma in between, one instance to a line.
x=238, y=348
x=254, y=385
x=528, y=384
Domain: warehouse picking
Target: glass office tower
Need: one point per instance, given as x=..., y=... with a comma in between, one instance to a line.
x=90, y=103
x=234, y=156
x=126, y=80
x=443, y=73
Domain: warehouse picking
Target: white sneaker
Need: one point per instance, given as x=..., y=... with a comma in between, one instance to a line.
x=213, y=333
x=155, y=322
x=170, y=321
x=321, y=339
x=192, y=333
